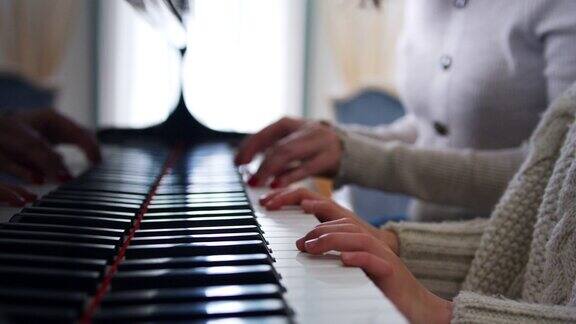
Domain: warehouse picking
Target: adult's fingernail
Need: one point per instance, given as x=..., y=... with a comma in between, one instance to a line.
x=275, y=184
x=17, y=202
x=253, y=181
x=64, y=177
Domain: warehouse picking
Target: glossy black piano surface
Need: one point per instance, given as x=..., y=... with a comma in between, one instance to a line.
x=152, y=234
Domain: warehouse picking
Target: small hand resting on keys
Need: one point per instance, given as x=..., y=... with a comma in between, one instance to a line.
x=364, y=246
x=27, y=152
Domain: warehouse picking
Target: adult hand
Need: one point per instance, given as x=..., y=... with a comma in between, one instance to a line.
x=26, y=140
x=15, y=196
x=334, y=217
x=294, y=149
x=387, y=271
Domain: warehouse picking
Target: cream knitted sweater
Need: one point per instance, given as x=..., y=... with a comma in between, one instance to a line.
x=518, y=266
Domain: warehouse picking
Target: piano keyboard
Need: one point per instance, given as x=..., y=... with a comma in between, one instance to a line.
x=153, y=235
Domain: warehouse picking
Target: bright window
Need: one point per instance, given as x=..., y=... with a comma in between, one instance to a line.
x=243, y=70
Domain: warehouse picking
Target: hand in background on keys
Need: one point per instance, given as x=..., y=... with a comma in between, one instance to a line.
x=293, y=149
x=334, y=217
x=26, y=147
x=363, y=246
x=15, y=196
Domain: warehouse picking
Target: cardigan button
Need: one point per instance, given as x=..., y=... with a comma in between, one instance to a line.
x=440, y=128
x=460, y=3
x=445, y=62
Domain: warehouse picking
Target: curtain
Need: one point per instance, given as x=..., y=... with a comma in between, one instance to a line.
x=363, y=41
x=33, y=36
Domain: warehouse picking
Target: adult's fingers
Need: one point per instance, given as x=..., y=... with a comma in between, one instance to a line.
x=343, y=242
x=265, y=138
x=295, y=196
x=314, y=166
x=25, y=194
x=288, y=153
x=24, y=146
x=60, y=129
x=321, y=230
x=13, y=168
x=10, y=197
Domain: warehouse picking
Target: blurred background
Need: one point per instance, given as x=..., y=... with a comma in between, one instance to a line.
x=249, y=62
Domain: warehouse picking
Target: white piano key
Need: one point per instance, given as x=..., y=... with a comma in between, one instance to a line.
x=282, y=240
x=309, y=261
x=376, y=315
x=334, y=293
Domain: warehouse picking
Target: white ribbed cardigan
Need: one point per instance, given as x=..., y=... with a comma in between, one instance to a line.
x=519, y=266
x=508, y=61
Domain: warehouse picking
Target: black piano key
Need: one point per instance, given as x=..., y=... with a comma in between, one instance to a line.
x=52, y=279
x=199, y=206
x=193, y=311
x=78, y=212
x=196, y=222
x=111, y=188
x=196, y=261
x=59, y=249
x=52, y=262
x=94, y=198
x=198, y=230
x=199, y=197
x=195, y=277
x=171, y=239
x=219, y=212
x=134, y=196
x=199, y=189
x=39, y=297
x=202, y=294
x=62, y=229
x=195, y=249
x=37, y=314
x=80, y=204
x=63, y=237
x=118, y=178
x=161, y=202
x=72, y=220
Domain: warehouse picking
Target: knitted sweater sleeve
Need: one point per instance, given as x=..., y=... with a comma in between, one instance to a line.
x=439, y=254
x=403, y=130
x=470, y=307
x=473, y=179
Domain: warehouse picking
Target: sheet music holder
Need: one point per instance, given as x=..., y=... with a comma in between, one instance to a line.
x=171, y=17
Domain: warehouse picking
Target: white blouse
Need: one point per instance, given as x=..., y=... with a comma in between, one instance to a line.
x=474, y=77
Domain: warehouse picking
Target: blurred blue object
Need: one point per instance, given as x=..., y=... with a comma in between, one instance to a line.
x=19, y=93
x=373, y=107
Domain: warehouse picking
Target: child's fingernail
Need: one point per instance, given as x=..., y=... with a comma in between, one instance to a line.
x=300, y=244
x=311, y=243
x=347, y=257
